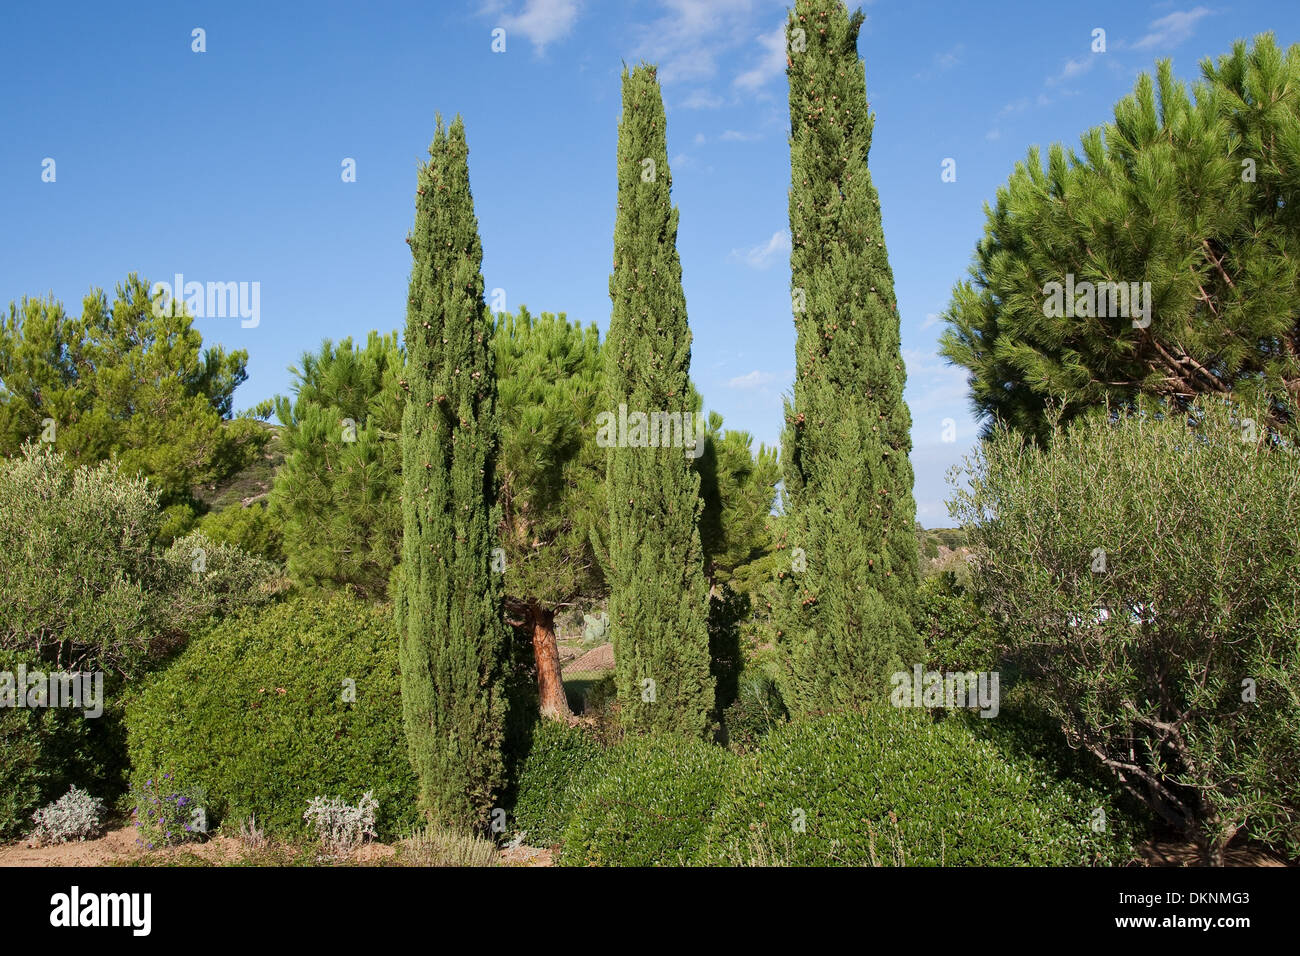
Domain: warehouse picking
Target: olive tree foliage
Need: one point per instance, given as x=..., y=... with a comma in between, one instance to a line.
x=1145, y=571
x=87, y=583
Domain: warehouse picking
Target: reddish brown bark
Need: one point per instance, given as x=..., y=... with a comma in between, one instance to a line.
x=550, y=686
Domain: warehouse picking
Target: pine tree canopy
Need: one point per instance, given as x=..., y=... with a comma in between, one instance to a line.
x=1162, y=258
x=338, y=491
x=124, y=382
x=550, y=375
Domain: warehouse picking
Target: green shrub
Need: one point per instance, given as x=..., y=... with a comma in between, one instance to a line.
x=956, y=633
x=44, y=751
x=255, y=530
x=552, y=778
x=757, y=709
x=1155, y=602
x=650, y=804
x=895, y=787
x=87, y=585
x=254, y=715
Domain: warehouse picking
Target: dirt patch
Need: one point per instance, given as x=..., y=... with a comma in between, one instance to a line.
x=596, y=660
x=1186, y=853
x=526, y=856
x=117, y=847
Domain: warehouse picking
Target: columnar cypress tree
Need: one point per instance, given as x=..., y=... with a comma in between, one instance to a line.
x=449, y=599
x=659, y=597
x=848, y=481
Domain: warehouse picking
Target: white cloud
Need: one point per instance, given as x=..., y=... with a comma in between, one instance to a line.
x=754, y=379
x=700, y=139
x=1073, y=68
x=688, y=38
x=736, y=136
x=1172, y=29
x=941, y=63
x=761, y=256
x=1016, y=107
x=770, y=64
x=541, y=21
x=702, y=100
x=935, y=391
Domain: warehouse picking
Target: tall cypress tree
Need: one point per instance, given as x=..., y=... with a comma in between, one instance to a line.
x=658, y=594
x=449, y=600
x=848, y=481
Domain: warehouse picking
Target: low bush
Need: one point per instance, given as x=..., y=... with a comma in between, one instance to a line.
x=758, y=708
x=46, y=750
x=1155, y=603
x=650, y=804
x=167, y=815
x=254, y=529
x=955, y=631
x=441, y=846
x=552, y=777
x=74, y=816
x=896, y=787
x=274, y=707
x=339, y=826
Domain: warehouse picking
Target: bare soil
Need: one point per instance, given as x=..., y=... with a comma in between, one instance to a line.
x=596, y=660
x=118, y=847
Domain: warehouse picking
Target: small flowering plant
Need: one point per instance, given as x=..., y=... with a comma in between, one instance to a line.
x=167, y=814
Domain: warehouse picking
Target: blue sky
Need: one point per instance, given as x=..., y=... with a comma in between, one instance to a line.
x=226, y=165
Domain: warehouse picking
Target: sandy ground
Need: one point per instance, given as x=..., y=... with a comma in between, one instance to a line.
x=119, y=846
x=594, y=661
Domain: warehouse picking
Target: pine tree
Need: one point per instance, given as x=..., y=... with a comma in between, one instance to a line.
x=848, y=482
x=549, y=377
x=129, y=381
x=659, y=597
x=337, y=493
x=449, y=603
x=1196, y=198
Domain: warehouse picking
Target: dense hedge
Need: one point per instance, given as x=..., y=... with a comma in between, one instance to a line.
x=956, y=632
x=253, y=713
x=894, y=787
x=551, y=779
x=44, y=751
x=649, y=803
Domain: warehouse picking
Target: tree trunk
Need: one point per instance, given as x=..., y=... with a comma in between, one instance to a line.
x=550, y=687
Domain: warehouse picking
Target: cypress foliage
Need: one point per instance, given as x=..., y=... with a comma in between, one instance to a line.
x=659, y=597
x=848, y=481
x=449, y=600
